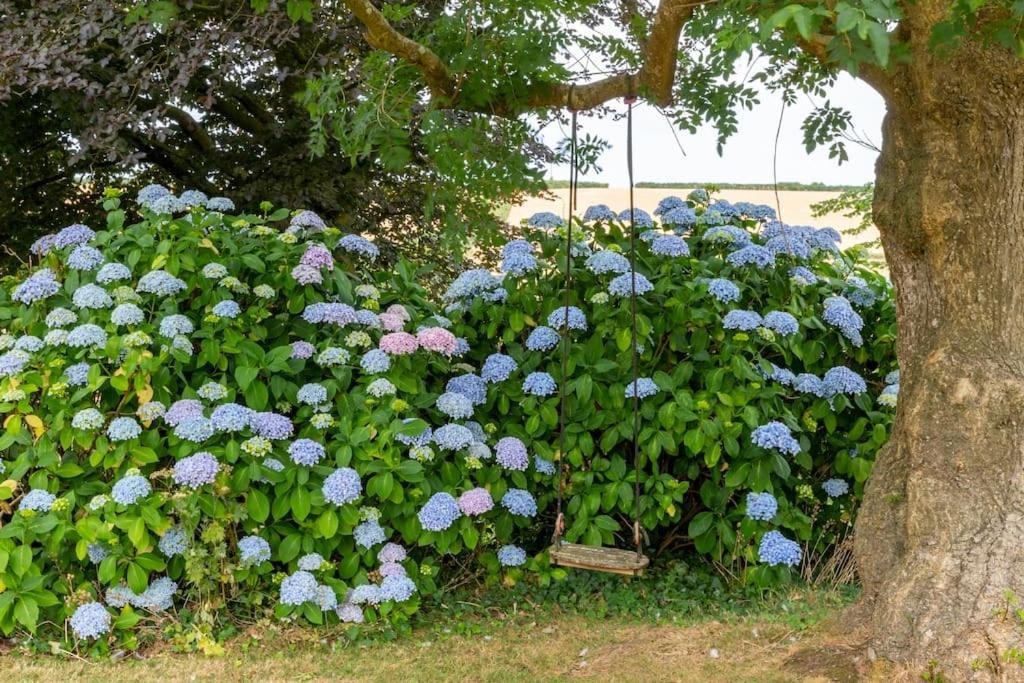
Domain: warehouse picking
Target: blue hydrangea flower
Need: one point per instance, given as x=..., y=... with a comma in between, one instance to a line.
x=836, y=487
x=369, y=534
x=128, y=490
x=667, y=204
x=517, y=264
x=90, y=621
x=455, y=406
x=381, y=387
x=806, y=383
x=28, y=344
x=775, y=435
x=342, y=486
x=397, y=588
x=312, y=394
x=39, y=500
x=840, y=314
x=775, y=549
x=641, y=219
x=84, y=257
x=516, y=247
x=40, y=285
x=859, y=293
x=150, y=193
x=469, y=385
x=642, y=387
x=311, y=562
x=680, y=219
x=781, y=322
x=843, y=380
x=355, y=244
x=782, y=376
x=271, y=425
x=91, y=297
x=738, y=319
x=577, y=319
x=473, y=283
x=621, y=285
x=511, y=556
x=227, y=309
x=727, y=235
x=308, y=220
x=299, y=588
x=542, y=338
x=97, y=552
x=759, y=212
x=724, y=290
x=893, y=377
x=230, y=417
x=670, y=245
x=196, y=470
x=88, y=419
x=212, y=391
x=375, y=362
x=453, y=437
x=511, y=454
x=421, y=439
x=439, y=512
x=519, y=502
x=55, y=338
x=192, y=198
x=127, y=314
x=790, y=245
x=253, y=550
x=87, y=335
x=220, y=204
x=174, y=541
x=13, y=362
x=545, y=220
x=752, y=254
x=174, y=325
x=543, y=466
x=598, y=212
x=803, y=276
x=61, y=317
x=306, y=452
x=123, y=429
x=607, y=261
x=498, y=367
x=161, y=283
x=74, y=235
x=195, y=429
x=539, y=384
x=76, y=375
x=365, y=594
x=326, y=599
x=761, y=506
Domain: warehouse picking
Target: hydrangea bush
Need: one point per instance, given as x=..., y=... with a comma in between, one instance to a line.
x=765, y=355
x=205, y=410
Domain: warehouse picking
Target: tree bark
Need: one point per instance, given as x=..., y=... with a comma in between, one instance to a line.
x=940, y=537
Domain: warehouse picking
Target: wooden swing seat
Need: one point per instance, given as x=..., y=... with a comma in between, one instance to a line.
x=611, y=560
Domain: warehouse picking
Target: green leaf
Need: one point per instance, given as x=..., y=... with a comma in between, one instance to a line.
x=257, y=505
x=300, y=503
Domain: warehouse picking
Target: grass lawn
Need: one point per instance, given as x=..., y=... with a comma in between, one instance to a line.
x=676, y=625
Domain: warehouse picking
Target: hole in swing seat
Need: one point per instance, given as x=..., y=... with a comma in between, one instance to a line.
x=590, y=558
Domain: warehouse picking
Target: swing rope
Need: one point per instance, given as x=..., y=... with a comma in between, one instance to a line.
x=566, y=341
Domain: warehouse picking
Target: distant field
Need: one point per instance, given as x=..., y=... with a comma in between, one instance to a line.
x=783, y=185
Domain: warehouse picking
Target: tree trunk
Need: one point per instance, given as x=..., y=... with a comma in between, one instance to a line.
x=940, y=537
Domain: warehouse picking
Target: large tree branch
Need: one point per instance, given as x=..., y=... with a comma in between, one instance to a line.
x=652, y=80
x=872, y=74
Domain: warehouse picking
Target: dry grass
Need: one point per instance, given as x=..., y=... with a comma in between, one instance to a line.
x=572, y=647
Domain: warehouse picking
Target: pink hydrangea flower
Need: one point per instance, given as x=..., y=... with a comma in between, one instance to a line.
x=399, y=310
x=476, y=502
x=398, y=343
x=437, y=339
x=391, y=322
x=317, y=256
x=307, y=275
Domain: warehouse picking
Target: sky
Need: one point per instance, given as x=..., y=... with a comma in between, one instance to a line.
x=747, y=156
